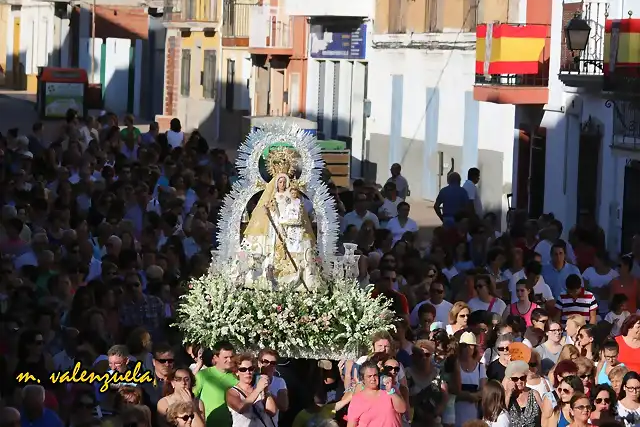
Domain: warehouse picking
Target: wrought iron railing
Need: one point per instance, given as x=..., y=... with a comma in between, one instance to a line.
x=236, y=18
x=626, y=123
x=591, y=60
x=191, y=11
x=539, y=79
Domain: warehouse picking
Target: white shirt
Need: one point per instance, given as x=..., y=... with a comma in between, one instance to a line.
x=352, y=218
x=502, y=421
x=175, y=139
x=472, y=192
x=442, y=312
x=598, y=281
x=476, y=304
x=543, y=248
x=398, y=231
x=616, y=320
x=389, y=208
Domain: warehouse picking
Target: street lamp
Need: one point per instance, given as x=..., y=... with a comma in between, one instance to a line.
x=577, y=34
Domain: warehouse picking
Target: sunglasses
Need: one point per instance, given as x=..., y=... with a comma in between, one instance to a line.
x=246, y=369
x=564, y=391
x=269, y=362
x=533, y=364
x=583, y=408
x=392, y=368
x=165, y=361
x=186, y=418
x=600, y=400
x=503, y=348
x=585, y=376
x=522, y=378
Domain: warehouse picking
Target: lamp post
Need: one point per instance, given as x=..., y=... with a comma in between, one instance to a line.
x=577, y=34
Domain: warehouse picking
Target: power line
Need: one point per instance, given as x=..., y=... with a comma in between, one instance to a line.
x=446, y=64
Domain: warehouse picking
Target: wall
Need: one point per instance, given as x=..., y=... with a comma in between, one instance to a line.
x=195, y=111
x=421, y=104
x=5, y=14
x=122, y=22
x=31, y=46
x=231, y=115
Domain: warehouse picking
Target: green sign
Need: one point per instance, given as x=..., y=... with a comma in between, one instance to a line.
x=273, y=146
x=60, y=97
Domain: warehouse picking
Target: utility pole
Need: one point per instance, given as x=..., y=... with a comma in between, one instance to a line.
x=93, y=40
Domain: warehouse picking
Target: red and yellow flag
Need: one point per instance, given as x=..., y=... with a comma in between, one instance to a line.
x=514, y=49
x=626, y=43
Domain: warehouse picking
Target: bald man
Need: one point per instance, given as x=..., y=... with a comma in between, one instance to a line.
x=9, y=417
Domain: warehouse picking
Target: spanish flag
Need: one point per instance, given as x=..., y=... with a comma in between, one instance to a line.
x=510, y=49
x=623, y=37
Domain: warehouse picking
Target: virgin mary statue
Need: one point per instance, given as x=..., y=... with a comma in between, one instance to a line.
x=280, y=230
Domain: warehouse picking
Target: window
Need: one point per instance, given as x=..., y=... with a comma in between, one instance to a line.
x=230, y=86
x=209, y=75
x=185, y=73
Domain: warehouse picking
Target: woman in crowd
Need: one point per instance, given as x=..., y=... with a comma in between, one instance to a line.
x=373, y=406
x=523, y=403
x=458, y=317
x=586, y=373
x=629, y=400
x=572, y=327
x=494, y=409
x=604, y=402
x=586, y=343
x=626, y=283
x=559, y=414
x=249, y=402
x=535, y=380
x=549, y=350
x=569, y=352
x=183, y=414
x=496, y=369
x=178, y=388
x=472, y=379
x=629, y=343
x=524, y=306
x=580, y=408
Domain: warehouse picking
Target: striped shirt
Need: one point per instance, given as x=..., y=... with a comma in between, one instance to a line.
x=584, y=304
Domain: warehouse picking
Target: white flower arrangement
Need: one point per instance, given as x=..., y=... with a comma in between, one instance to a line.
x=310, y=325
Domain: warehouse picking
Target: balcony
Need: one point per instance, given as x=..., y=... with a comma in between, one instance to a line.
x=512, y=63
x=622, y=58
x=585, y=68
x=626, y=126
x=331, y=8
x=271, y=31
x=236, y=22
x=191, y=14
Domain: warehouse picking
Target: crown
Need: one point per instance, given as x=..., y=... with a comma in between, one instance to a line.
x=281, y=160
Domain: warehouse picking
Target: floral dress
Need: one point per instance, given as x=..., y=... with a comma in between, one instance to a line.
x=527, y=416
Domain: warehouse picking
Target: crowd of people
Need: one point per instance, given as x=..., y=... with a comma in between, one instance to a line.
x=102, y=228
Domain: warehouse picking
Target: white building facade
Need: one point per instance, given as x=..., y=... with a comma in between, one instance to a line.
x=424, y=116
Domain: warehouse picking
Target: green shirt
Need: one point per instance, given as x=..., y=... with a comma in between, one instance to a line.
x=211, y=387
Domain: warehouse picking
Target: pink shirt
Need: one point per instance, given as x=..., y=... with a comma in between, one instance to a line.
x=526, y=316
x=369, y=411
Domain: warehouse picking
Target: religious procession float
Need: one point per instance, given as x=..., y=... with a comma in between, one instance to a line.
x=277, y=279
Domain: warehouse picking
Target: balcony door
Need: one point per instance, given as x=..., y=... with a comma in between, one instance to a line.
x=588, y=174
x=630, y=204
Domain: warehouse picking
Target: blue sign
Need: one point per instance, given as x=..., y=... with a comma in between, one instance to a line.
x=338, y=41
